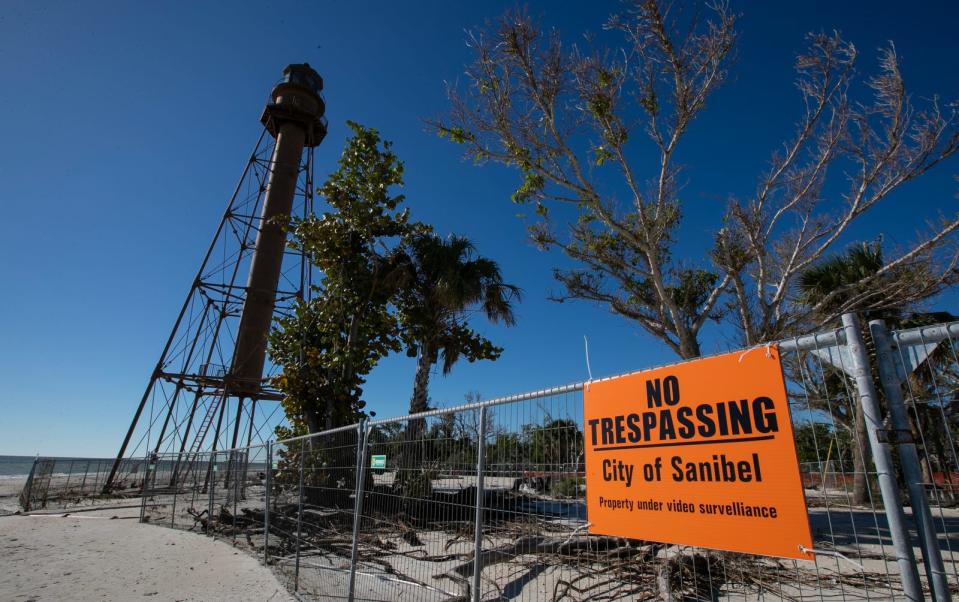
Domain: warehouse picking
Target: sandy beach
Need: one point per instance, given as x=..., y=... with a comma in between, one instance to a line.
x=94, y=556
x=9, y=492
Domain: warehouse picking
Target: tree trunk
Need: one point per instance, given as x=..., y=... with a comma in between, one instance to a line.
x=410, y=481
x=421, y=383
x=688, y=345
x=943, y=461
x=921, y=444
x=312, y=421
x=419, y=402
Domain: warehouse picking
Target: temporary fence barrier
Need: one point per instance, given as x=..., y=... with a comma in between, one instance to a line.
x=58, y=483
x=486, y=501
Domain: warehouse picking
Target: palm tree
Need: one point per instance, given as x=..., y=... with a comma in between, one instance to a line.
x=837, y=276
x=837, y=279
x=446, y=282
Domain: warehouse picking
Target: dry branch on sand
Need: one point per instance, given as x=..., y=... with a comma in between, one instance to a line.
x=555, y=556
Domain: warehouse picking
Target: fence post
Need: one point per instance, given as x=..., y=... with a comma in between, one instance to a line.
x=299, y=518
x=96, y=479
x=931, y=554
x=480, y=495
x=66, y=488
x=361, y=449
x=266, y=509
x=211, y=478
x=144, y=492
x=882, y=457
x=173, y=509
x=86, y=472
x=237, y=460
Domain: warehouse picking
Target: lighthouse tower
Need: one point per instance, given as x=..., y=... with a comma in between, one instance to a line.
x=203, y=392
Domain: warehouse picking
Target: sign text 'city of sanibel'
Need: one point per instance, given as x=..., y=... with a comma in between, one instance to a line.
x=699, y=454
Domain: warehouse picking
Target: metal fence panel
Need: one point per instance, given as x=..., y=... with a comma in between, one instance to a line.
x=61, y=483
x=534, y=507
x=927, y=362
x=176, y=492
x=856, y=557
x=310, y=519
x=488, y=501
x=415, y=528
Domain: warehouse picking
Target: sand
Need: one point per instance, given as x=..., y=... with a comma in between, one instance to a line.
x=9, y=494
x=91, y=556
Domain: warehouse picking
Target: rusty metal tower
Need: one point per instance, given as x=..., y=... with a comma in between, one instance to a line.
x=204, y=392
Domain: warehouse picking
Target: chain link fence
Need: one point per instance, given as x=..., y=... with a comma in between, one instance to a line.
x=919, y=369
x=61, y=483
x=487, y=501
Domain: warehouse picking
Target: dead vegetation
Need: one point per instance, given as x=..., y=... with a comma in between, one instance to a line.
x=522, y=549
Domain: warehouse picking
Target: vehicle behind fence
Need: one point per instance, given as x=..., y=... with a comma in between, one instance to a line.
x=487, y=501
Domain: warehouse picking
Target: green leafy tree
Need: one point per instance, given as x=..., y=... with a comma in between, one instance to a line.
x=556, y=443
x=596, y=132
x=818, y=442
x=336, y=338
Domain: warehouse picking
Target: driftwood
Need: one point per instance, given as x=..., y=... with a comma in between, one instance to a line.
x=540, y=545
x=596, y=568
x=199, y=518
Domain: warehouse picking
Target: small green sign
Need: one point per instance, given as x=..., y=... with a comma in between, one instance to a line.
x=377, y=461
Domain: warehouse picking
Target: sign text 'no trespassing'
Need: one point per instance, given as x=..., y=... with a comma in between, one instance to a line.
x=700, y=454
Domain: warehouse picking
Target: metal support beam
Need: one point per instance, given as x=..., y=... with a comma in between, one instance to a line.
x=909, y=458
x=362, y=438
x=176, y=325
x=882, y=455
x=266, y=509
x=926, y=334
x=480, y=495
x=299, y=519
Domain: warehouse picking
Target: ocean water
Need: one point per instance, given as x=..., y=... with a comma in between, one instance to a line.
x=19, y=466
x=15, y=466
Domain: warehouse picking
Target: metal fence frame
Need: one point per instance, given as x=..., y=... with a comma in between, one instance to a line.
x=228, y=480
x=65, y=482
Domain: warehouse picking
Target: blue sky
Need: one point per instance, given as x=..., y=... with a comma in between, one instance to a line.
x=126, y=124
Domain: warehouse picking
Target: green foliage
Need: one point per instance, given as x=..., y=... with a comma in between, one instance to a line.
x=533, y=184
x=451, y=441
x=443, y=281
x=556, y=441
x=692, y=288
x=508, y=448
x=837, y=274
x=457, y=135
x=601, y=107
x=334, y=340
x=649, y=102
x=819, y=442
x=855, y=279
x=602, y=155
x=570, y=487
x=387, y=283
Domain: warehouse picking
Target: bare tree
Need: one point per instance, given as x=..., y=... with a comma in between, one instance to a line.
x=582, y=124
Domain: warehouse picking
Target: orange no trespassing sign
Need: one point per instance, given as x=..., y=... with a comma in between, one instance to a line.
x=699, y=454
